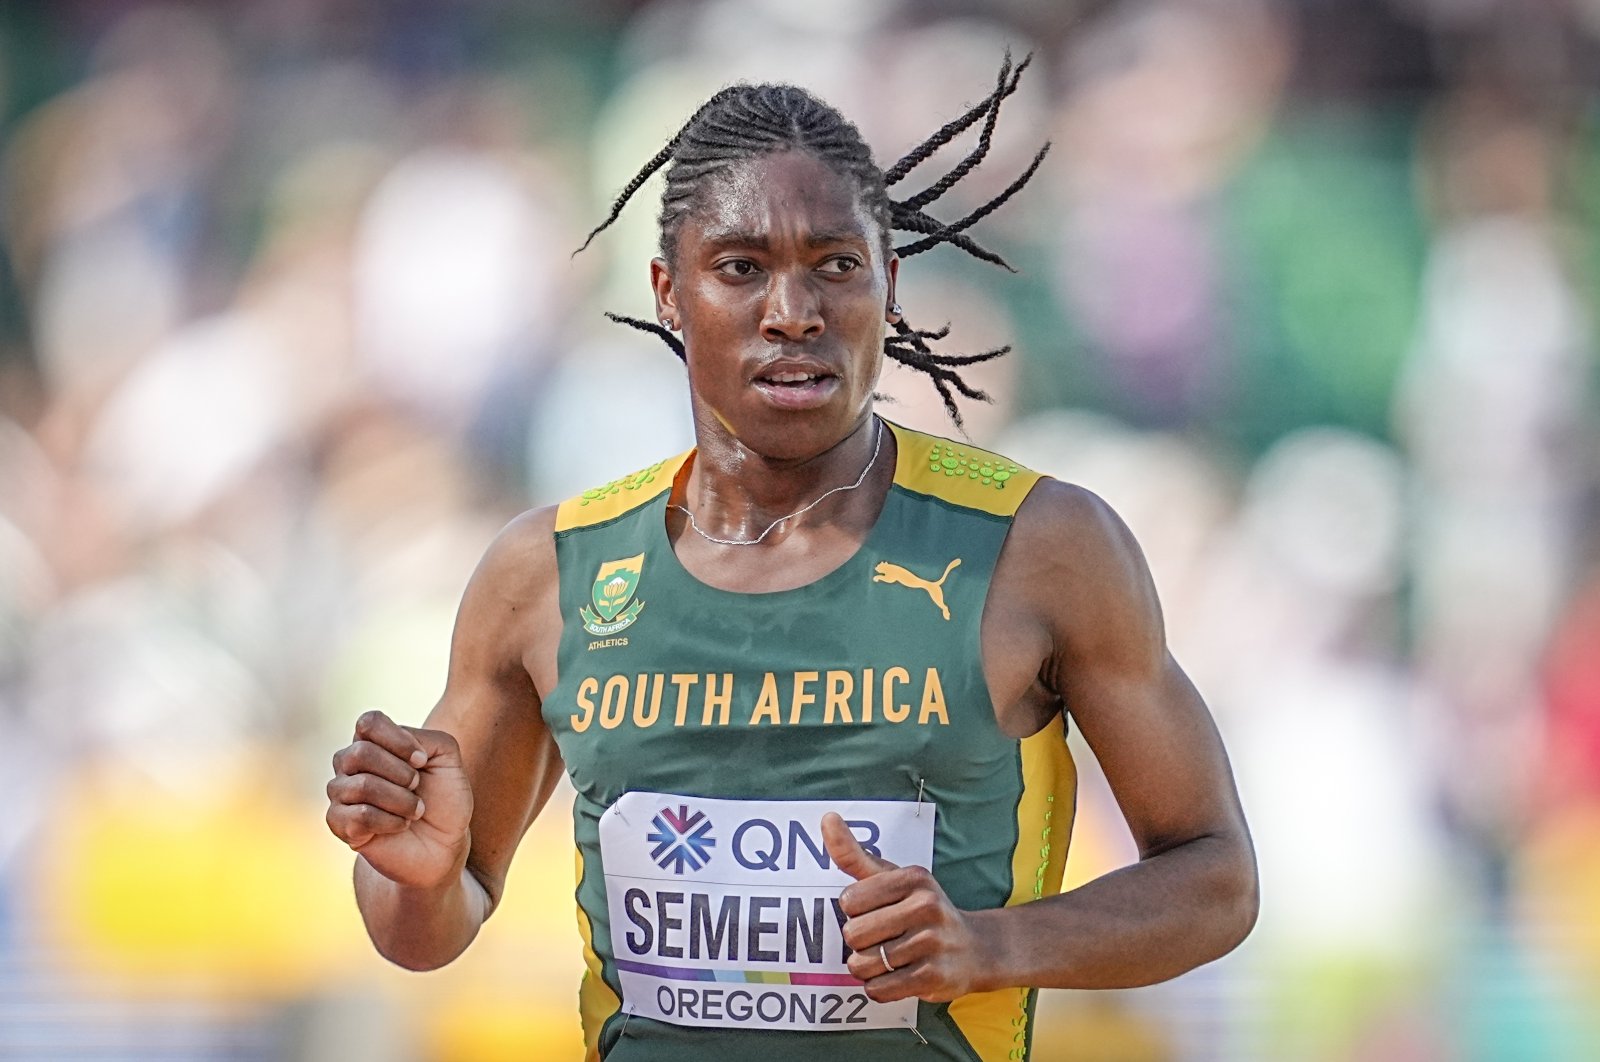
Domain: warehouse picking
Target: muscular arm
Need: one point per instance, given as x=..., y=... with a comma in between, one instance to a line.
x=1076, y=620
x=1192, y=896
x=491, y=762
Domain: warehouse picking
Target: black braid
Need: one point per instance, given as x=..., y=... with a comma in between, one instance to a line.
x=944, y=234
x=654, y=329
x=758, y=120
x=921, y=153
x=910, y=348
x=743, y=122
x=976, y=155
x=661, y=159
x=917, y=221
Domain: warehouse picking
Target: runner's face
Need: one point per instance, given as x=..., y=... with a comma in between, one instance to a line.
x=782, y=290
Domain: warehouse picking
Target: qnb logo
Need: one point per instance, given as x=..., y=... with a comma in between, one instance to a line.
x=762, y=844
x=681, y=840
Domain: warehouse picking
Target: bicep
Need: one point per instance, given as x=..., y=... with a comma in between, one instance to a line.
x=1160, y=751
x=490, y=703
x=1145, y=721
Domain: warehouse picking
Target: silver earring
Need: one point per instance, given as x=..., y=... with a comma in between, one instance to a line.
x=895, y=309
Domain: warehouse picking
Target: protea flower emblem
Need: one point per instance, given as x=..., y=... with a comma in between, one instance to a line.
x=616, y=591
x=614, y=587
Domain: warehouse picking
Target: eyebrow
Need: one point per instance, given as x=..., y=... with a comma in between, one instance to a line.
x=720, y=238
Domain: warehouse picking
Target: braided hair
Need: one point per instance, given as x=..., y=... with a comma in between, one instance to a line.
x=747, y=121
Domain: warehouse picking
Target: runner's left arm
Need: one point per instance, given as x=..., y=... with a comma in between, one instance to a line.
x=1193, y=894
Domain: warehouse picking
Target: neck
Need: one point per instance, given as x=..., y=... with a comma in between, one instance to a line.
x=737, y=492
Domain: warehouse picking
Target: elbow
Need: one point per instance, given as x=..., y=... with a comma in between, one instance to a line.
x=418, y=953
x=412, y=967
x=1238, y=899
x=1248, y=906
x=1222, y=892
x=413, y=962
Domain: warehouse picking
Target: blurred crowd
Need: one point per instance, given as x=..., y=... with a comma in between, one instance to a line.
x=290, y=326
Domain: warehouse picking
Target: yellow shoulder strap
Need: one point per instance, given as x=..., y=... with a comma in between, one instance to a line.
x=960, y=474
x=622, y=495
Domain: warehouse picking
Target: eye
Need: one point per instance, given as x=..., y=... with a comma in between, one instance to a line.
x=842, y=264
x=736, y=267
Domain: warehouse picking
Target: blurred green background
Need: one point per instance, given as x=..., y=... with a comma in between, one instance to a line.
x=289, y=329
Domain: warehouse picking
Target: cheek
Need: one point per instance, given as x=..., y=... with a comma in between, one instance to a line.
x=714, y=308
x=713, y=364
x=866, y=322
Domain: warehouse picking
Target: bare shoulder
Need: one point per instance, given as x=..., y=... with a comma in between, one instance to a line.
x=1068, y=529
x=521, y=559
x=1082, y=575
x=510, y=603
x=1065, y=513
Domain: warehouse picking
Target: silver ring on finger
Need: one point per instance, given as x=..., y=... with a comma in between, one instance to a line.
x=884, y=955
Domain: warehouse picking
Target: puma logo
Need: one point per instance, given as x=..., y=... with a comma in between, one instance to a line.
x=893, y=573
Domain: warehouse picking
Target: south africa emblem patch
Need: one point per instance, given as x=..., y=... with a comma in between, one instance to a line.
x=614, y=607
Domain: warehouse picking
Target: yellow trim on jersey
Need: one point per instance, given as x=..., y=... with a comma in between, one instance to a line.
x=619, y=496
x=596, y=1000
x=996, y=1023
x=927, y=464
x=960, y=474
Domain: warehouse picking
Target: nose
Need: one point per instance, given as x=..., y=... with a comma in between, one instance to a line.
x=793, y=309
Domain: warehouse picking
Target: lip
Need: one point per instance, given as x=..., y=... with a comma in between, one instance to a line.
x=793, y=363
x=810, y=395
x=799, y=396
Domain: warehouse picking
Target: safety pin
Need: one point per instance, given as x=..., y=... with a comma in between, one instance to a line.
x=921, y=782
x=625, y=1019
x=918, y=1034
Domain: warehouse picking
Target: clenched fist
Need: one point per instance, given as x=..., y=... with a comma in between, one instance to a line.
x=400, y=797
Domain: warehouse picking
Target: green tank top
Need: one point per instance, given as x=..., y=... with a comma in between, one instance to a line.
x=705, y=731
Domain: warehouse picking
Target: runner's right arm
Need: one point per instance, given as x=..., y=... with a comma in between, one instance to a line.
x=435, y=813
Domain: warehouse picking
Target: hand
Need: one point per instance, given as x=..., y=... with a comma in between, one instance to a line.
x=931, y=944
x=400, y=798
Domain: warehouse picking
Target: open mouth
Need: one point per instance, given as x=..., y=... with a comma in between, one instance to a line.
x=797, y=389
x=794, y=379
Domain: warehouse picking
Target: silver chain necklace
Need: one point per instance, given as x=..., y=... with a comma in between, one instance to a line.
x=876, y=446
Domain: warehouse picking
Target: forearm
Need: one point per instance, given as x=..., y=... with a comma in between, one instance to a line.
x=1138, y=925
x=420, y=929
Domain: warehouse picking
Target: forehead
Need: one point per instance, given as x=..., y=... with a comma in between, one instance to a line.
x=786, y=191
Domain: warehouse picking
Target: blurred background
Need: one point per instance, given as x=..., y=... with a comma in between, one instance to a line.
x=289, y=329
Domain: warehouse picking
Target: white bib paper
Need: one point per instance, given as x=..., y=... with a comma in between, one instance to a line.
x=724, y=913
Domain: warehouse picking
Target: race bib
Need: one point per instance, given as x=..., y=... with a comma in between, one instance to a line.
x=725, y=913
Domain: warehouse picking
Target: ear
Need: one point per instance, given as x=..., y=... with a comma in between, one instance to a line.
x=666, y=297
x=891, y=269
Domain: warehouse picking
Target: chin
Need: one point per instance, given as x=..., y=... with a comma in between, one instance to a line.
x=799, y=437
